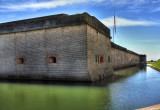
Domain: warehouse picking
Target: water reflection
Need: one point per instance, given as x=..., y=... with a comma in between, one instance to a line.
x=127, y=89
x=120, y=75
x=137, y=91
x=43, y=97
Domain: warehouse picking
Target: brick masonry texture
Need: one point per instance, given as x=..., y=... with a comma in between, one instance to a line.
x=98, y=43
x=76, y=41
x=68, y=43
x=121, y=57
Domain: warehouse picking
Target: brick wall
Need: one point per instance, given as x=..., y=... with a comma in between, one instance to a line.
x=78, y=42
x=67, y=43
x=121, y=59
x=98, y=44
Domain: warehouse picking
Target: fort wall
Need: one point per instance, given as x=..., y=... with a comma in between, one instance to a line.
x=121, y=57
x=61, y=47
x=98, y=44
x=68, y=44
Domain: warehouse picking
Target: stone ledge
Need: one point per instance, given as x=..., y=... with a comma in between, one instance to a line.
x=113, y=45
x=53, y=21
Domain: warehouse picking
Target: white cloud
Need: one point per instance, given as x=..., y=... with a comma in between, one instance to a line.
x=33, y=4
x=21, y=5
x=127, y=22
x=124, y=2
x=49, y=4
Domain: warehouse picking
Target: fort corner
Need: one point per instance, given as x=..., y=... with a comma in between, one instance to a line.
x=61, y=47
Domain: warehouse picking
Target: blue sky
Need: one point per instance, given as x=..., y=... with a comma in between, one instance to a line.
x=138, y=21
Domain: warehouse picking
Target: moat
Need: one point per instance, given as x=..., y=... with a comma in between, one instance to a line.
x=128, y=89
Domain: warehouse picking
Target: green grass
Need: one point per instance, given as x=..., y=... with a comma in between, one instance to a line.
x=149, y=62
x=156, y=64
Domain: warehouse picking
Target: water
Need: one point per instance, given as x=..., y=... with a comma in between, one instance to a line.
x=128, y=89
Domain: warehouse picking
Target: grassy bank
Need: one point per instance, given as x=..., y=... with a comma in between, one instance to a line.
x=155, y=65
x=149, y=62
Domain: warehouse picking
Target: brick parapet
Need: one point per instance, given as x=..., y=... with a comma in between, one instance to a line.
x=54, y=21
x=113, y=45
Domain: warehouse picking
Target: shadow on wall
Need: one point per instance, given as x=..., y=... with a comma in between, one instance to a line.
x=119, y=74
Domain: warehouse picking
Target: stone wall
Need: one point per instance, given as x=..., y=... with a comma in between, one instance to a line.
x=53, y=21
x=98, y=44
x=80, y=43
x=67, y=43
x=121, y=57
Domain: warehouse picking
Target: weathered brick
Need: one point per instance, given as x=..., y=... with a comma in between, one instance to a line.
x=76, y=41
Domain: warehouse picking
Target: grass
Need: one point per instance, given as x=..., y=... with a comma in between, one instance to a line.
x=149, y=62
x=156, y=64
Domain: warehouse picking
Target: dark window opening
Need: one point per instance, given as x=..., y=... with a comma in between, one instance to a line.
x=96, y=59
x=20, y=60
x=109, y=59
x=52, y=60
x=101, y=58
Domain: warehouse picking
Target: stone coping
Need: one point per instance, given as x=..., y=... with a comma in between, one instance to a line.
x=113, y=45
x=54, y=21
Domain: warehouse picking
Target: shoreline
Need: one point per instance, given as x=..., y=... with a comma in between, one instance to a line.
x=158, y=69
x=153, y=107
